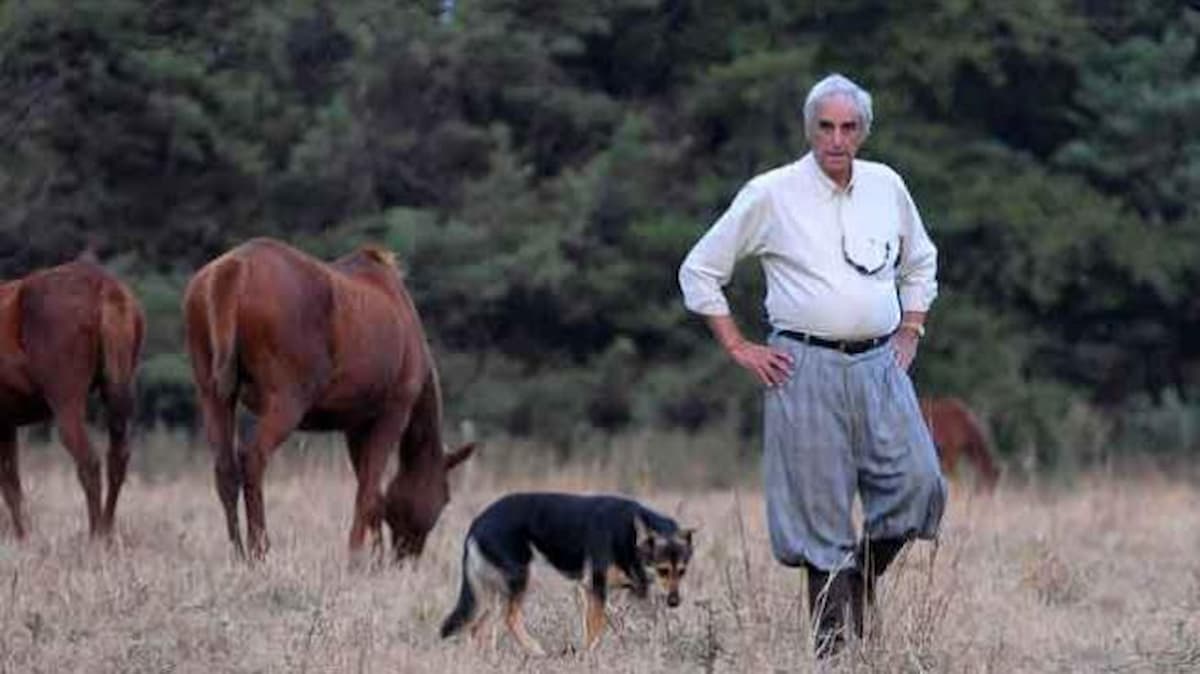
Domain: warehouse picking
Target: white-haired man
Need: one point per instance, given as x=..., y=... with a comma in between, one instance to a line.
x=850, y=275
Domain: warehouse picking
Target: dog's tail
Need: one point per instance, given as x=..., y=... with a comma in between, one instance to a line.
x=464, y=610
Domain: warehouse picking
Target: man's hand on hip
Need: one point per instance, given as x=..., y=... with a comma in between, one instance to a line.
x=904, y=343
x=771, y=367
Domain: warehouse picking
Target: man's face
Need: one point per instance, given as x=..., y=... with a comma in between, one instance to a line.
x=837, y=137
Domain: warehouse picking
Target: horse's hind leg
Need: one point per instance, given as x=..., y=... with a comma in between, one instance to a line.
x=280, y=417
x=69, y=417
x=119, y=407
x=10, y=478
x=219, y=427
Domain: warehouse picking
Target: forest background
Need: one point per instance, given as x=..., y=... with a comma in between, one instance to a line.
x=541, y=168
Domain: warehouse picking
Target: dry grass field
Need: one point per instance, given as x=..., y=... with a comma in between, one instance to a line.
x=1102, y=576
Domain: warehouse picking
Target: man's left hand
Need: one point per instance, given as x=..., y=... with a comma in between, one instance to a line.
x=904, y=342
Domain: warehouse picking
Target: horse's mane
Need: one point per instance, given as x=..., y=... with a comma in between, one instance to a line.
x=424, y=430
x=379, y=254
x=369, y=257
x=382, y=255
x=88, y=255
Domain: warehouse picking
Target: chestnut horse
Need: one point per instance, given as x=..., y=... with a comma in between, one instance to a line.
x=64, y=332
x=309, y=345
x=958, y=432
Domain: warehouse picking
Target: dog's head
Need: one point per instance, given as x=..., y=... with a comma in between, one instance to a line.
x=665, y=557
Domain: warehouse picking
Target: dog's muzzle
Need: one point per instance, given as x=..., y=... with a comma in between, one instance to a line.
x=673, y=599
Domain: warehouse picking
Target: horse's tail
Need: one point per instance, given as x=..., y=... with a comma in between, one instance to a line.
x=122, y=329
x=223, y=294
x=464, y=610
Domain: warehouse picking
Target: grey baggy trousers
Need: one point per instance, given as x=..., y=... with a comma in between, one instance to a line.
x=843, y=424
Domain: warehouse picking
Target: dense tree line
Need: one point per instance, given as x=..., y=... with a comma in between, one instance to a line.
x=541, y=168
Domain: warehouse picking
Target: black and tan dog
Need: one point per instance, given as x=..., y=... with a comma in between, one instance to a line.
x=600, y=541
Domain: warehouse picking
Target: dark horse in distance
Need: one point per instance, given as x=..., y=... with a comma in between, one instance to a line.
x=64, y=332
x=309, y=345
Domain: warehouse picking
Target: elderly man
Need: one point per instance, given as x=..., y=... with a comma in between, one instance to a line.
x=850, y=275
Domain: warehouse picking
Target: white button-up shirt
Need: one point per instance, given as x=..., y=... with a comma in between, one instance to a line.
x=839, y=263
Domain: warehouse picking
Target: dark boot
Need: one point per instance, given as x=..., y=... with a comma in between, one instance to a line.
x=828, y=600
x=873, y=559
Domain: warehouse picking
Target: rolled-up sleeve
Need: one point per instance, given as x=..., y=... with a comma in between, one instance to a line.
x=918, y=256
x=708, y=267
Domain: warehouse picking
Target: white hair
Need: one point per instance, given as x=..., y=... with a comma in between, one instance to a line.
x=837, y=85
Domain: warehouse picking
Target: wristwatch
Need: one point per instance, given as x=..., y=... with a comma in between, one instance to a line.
x=915, y=327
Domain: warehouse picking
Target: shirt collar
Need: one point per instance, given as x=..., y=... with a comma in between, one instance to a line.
x=823, y=184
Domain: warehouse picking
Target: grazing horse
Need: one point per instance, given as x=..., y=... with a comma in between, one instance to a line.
x=65, y=331
x=957, y=432
x=309, y=345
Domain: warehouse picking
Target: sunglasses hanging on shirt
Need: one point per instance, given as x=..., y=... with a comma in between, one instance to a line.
x=867, y=256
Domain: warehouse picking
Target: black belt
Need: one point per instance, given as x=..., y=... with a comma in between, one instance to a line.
x=843, y=345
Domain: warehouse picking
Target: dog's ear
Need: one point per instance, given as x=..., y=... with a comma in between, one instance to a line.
x=686, y=534
x=642, y=533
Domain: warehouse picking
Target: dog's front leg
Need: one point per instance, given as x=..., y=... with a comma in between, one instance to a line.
x=593, y=612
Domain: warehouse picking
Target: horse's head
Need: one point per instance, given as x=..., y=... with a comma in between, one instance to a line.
x=416, y=497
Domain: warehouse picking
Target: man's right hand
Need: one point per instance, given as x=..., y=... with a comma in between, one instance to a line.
x=771, y=367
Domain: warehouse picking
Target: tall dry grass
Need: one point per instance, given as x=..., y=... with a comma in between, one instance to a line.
x=1101, y=577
